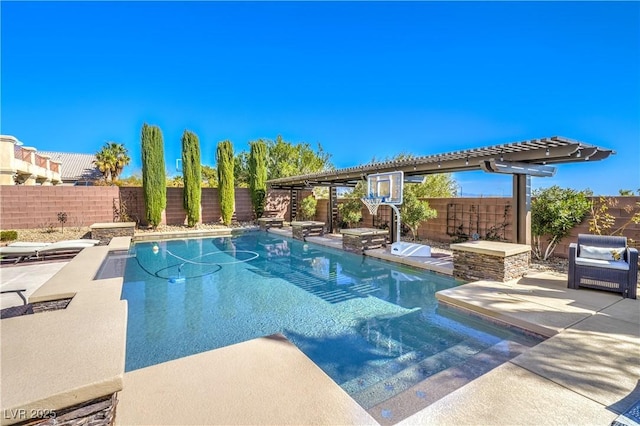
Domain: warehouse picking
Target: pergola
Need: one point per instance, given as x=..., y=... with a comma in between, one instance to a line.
x=522, y=160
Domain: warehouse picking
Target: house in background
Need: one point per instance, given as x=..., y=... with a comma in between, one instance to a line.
x=22, y=165
x=78, y=169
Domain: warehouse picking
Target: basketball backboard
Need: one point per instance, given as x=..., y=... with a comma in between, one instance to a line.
x=387, y=186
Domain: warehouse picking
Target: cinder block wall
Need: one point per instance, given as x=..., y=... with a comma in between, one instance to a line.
x=493, y=210
x=175, y=214
x=27, y=207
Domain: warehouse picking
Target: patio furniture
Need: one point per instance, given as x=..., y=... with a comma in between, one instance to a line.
x=14, y=311
x=19, y=252
x=605, y=263
x=25, y=251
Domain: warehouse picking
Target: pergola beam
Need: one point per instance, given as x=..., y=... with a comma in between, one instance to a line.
x=544, y=151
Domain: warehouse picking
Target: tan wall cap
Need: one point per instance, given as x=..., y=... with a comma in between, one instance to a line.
x=364, y=231
x=492, y=248
x=53, y=360
x=109, y=225
x=73, y=277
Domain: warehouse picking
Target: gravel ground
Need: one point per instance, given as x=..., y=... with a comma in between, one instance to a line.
x=50, y=235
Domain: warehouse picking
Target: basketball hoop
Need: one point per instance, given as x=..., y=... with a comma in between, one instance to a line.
x=372, y=204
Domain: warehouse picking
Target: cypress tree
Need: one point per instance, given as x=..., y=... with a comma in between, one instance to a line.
x=226, y=191
x=192, y=173
x=154, y=180
x=258, y=176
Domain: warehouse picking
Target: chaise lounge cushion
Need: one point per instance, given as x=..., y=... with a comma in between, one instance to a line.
x=602, y=253
x=599, y=263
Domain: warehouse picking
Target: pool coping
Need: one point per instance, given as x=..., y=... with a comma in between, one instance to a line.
x=37, y=366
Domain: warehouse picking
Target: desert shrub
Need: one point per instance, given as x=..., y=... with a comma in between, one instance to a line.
x=307, y=210
x=554, y=212
x=8, y=235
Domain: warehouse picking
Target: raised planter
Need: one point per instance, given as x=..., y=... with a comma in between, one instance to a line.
x=108, y=230
x=490, y=260
x=301, y=230
x=270, y=222
x=357, y=240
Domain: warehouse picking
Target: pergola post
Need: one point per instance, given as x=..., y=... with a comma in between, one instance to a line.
x=332, y=209
x=521, y=209
x=293, y=208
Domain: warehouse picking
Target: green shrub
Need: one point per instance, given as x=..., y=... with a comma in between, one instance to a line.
x=554, y=212
x=307, y=210
x=8, y=235
x=154, y=179
x=258, y=176
x=414, y=211
x=351, y=211
x=192, y=172
x=226, y=189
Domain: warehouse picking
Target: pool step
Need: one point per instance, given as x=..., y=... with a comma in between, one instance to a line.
x=421, y=395
x=412, y=332
x=326, y=289
x=391, y=380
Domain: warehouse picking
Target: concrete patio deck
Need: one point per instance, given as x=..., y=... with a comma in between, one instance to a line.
x=587, y=372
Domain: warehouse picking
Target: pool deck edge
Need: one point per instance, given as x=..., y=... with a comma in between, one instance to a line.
x=262, y=381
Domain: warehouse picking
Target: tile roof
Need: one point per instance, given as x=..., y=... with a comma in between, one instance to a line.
x=75, y=166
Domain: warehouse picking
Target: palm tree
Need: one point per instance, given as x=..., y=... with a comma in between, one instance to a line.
x=111, y=160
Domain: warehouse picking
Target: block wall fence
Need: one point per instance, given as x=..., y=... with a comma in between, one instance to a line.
x=30, y=207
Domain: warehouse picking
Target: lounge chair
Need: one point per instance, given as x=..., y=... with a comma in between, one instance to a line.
x=14, y=311
x=19, y=253
x=603, y=262
x=38, y=244
x=30, y=250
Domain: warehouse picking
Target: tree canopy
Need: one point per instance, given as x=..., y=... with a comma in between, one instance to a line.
x=285, y=159
x=111, y=160
x=210, y=176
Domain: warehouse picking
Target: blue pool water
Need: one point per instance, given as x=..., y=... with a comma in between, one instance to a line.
x=374, y=327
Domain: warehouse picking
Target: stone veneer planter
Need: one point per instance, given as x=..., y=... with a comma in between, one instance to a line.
x=97, y=412
x=357, y=240
x=490, y=260
x=301, y=230
x=270, y=222
x=106, y=231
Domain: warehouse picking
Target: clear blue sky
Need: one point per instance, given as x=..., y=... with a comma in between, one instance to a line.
x=364, y=79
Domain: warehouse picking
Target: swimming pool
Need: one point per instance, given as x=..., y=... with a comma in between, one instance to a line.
x=374, y=327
